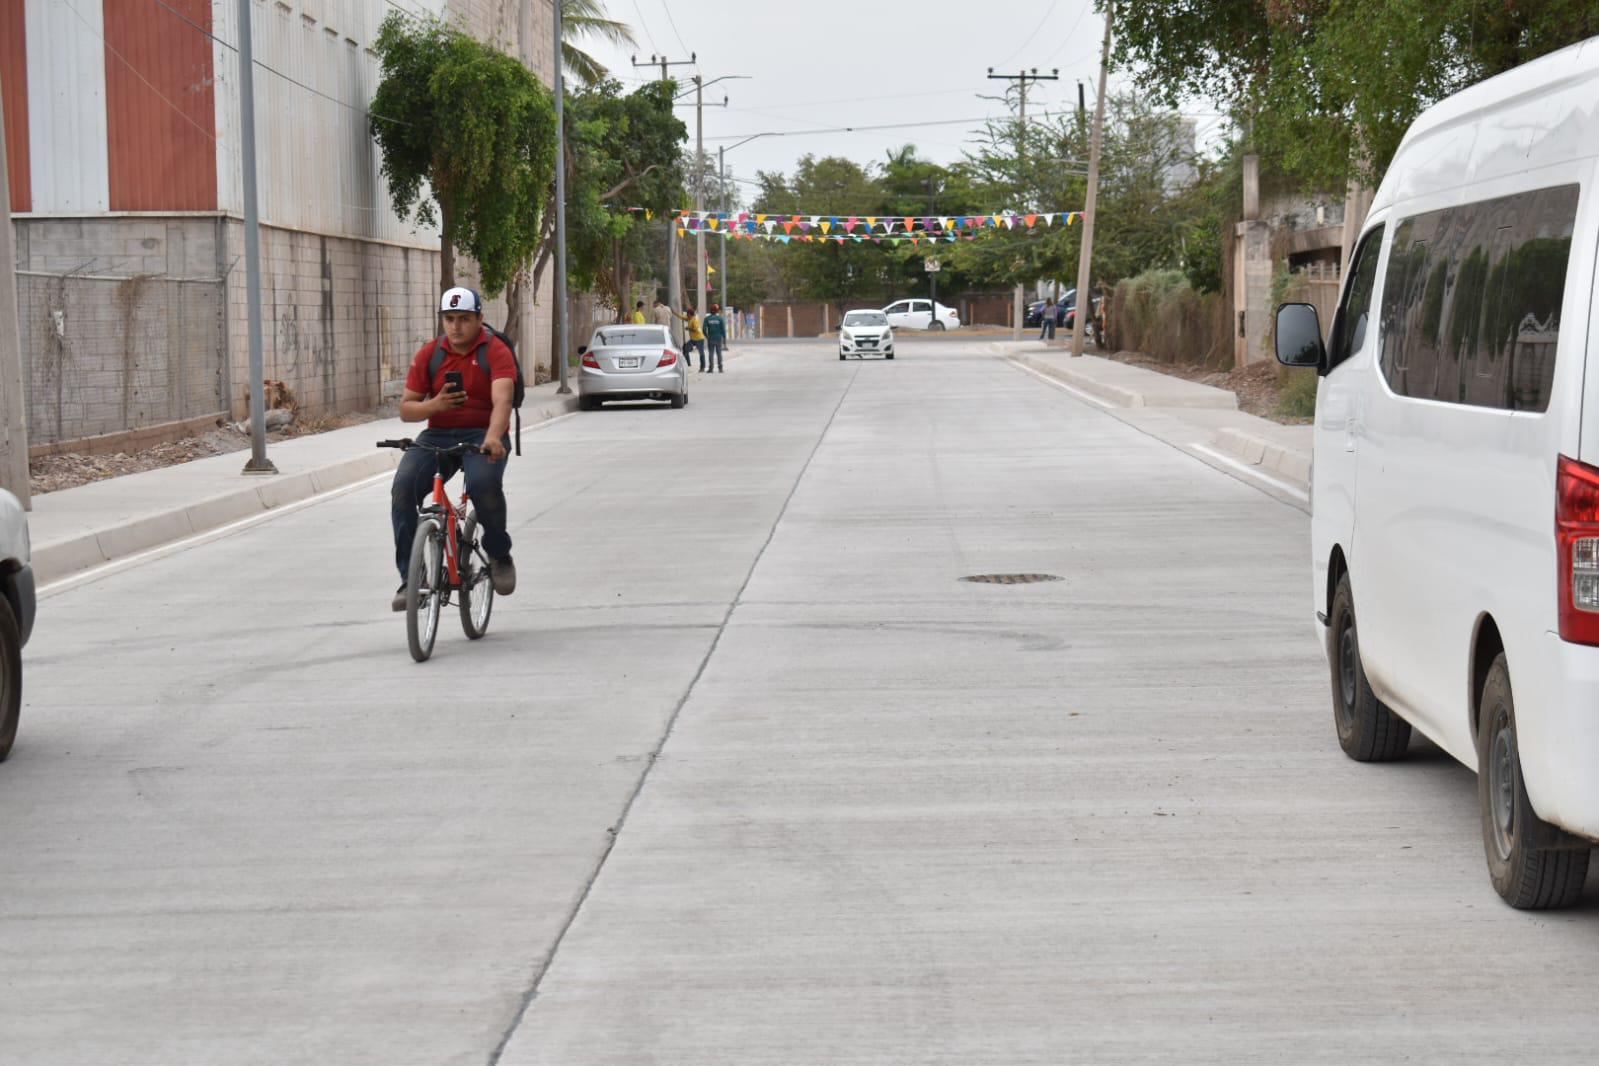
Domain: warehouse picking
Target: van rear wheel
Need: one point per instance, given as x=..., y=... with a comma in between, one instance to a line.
x=1367, y=731
x=1533, y=865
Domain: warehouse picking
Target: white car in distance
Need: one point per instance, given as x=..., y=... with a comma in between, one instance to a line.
x=918, y=314
x=865, y=333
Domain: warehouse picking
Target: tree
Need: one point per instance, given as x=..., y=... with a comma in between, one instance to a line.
x=1327, y=88
x=468, y=142
x=586, y=18
x=831, y=185
x=623, y=170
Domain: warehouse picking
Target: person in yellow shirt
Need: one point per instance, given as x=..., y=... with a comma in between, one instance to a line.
x=637, y=318
x=696, y=334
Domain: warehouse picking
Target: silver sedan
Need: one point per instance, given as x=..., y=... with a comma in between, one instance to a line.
x=630, y=362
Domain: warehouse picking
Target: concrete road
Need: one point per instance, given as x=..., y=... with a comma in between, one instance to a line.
x=746, y=774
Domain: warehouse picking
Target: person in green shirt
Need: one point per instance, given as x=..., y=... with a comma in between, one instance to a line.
x=716, y=337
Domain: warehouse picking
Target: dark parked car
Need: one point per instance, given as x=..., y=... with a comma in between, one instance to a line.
x=1065, y=314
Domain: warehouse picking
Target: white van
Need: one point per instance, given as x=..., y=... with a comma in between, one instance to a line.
x=1456, y=482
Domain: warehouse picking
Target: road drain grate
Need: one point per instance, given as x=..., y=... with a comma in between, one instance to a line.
x=1010, y=579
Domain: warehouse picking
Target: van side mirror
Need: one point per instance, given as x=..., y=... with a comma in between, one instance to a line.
x=1299, y=336
x=582, y=348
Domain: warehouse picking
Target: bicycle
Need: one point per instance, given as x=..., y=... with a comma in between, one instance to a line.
x=445, y=558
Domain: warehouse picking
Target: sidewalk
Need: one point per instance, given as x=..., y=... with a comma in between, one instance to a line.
x=77, y=528
x=1201, y=420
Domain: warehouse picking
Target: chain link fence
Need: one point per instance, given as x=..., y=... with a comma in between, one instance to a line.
x=105, y=354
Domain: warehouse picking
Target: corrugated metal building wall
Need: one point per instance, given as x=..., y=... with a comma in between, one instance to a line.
x=160, y=107
x=14, y=88
x=131, y=109
x=66, y=107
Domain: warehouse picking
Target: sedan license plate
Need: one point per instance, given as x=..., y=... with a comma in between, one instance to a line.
x=629, y=362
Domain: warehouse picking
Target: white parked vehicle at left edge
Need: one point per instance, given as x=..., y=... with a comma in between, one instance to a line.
x=1455, y=493
x=918, y=314
x=631, y=362
x=17, y=604
x=865, y=333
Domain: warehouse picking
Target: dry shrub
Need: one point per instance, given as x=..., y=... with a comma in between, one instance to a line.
x=1159, y=314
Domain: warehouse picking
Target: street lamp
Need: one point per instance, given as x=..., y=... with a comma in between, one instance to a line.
x=721, y=179
x=932, y=275
x=699, y=175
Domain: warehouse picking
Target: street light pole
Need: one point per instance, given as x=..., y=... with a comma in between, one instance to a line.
x=721, y=179
x=1085, y=258
x=699, y=192
x=258, y=462
x=562, y=310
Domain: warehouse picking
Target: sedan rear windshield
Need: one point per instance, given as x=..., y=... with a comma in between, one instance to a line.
x=866, y=318
x=630, y=336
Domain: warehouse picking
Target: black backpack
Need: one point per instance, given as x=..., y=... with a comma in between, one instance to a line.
x=489, y=333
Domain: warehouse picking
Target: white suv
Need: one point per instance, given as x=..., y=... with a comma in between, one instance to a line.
x=918, y=314
x=16, y=613
x=1456, y=479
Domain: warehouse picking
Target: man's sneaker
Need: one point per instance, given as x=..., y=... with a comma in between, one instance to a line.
x=502, y=574
x=399, y=600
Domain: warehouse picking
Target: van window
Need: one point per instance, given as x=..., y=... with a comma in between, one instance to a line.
x=1352, y=317
x=1471, y=306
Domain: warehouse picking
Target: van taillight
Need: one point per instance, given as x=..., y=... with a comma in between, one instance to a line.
x=1577, y=547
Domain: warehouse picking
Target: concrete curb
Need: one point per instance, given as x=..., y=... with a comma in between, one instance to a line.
x=1196, y=396
x=1288, y=464
x=120, y=539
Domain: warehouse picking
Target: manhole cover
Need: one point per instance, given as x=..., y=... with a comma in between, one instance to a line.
x=1010, y=579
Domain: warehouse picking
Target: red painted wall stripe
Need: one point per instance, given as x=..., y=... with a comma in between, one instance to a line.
x=160, y=106
x=14, y=86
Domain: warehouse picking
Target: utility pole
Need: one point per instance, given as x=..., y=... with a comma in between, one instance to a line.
x=563, y=334
x=727, y=207
x=13, y=411
x=1085, y=260
x=258, y=462
x=699, y=194
x=674, y=297
x=1022, y=79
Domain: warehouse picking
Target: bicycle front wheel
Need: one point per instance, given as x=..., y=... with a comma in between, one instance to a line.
x=477, y=592
x=424, y=588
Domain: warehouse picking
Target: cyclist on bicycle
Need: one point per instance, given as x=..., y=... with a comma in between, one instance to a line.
x=478, y=413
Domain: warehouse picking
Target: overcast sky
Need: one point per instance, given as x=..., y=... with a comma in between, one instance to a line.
x=828, y=63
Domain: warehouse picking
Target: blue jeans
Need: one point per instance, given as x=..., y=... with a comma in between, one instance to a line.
x=413, y=484
x=688, y=351
x=714, y=359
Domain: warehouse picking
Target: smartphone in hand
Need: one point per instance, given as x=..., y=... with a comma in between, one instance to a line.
x=454, y=381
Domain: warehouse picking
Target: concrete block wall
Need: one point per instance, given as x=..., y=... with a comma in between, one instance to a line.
x=121, y=322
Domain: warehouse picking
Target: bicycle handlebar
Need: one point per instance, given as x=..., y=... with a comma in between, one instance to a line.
x=406, y=444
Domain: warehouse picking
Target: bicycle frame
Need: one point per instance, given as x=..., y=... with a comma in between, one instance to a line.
x=452, y=516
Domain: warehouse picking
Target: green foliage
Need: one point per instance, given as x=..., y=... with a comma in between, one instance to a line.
x=581, y=19
x=1298, y=396
x=1160, y=314
x=1328, y=87
x=470, y=130
x=623, y=152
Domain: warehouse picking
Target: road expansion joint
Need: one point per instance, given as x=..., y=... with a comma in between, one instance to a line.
x=615, y=832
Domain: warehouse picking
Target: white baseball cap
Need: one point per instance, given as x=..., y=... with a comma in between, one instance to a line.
x=461, y=299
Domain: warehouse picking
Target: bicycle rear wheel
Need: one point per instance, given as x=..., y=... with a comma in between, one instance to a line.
x=477, y=591
x=424, y=591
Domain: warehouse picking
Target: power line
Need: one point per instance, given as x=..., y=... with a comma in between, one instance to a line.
x=668, y=9
x=645, y=26
x=137, y=73
x=1067, y=39
x=861, y=129
x=1027, y=40
x=270, y=69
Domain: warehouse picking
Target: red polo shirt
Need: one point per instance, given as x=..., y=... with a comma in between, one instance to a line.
x=479, y=406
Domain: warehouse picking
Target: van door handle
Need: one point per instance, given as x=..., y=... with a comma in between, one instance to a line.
x=1351, y=431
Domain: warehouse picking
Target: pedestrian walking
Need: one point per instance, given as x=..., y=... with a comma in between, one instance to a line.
x=1046, y=321
x=715, y=327
x=696, y=334
x=663, y=314
x=638, y=318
